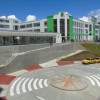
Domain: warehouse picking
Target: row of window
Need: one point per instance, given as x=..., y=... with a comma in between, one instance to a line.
x=80, y=37
x=32, y=25
x=4, y=21
x=4, y=26
x=77, y=24
x=75, y=30
x=81, y=25
x=37, y=30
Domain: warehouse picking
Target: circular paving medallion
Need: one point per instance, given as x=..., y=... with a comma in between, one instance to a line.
x=69, y=82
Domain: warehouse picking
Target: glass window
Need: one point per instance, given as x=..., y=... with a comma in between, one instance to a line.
x=22, y=26
x=45, y=23
x=4, y=26
x=36, y=24
x=29, y=25
x=36, y=30
x=86, y=31
x=86, y=25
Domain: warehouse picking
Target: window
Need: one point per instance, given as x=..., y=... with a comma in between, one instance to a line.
x=29, y=25
x=77, y=24
x=36, y=30
x=96, y=26
x=4, y=26
x=86, y=31
x=96, y=31
x=22, y=26
x=45, y=30
x=45, y=23
x=16, y=21
x=36, y=24
x=86, y=25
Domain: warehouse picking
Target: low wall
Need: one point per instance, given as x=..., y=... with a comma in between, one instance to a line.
x=7, y=51
x=35, y=57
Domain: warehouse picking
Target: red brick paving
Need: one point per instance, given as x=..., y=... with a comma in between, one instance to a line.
x=65, y=63
x=3, y=98
x=6, y=79
x=34, y=67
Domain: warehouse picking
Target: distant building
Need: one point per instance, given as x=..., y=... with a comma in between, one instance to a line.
x=69, y=27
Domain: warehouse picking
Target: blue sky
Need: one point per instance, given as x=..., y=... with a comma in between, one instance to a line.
x=43, y=8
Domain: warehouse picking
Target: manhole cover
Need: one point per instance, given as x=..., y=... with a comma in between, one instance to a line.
x=69, y=82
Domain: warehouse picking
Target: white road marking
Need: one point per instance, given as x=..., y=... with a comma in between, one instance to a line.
x=45, y=83
x=40, y=83
x=96, y=80
x=93, y=83
x=23, y=85
x=40, y=98
x=29, y=84
x=34, y=84
x=13, y=85
x=96, y=77
x=18, y=86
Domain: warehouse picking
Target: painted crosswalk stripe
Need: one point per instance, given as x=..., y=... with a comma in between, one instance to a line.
x=34, y=84
x=93, y=83
x=96, y=80
x=13, y=85
x=40, y=83
x=96, y=77
x=29, y=84
x=23, y=86
x=45, y=82
x=18, y=85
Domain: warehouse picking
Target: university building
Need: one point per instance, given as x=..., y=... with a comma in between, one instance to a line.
x=61, y=27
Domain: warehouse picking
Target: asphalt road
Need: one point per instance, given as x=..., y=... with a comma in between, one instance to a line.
x=77, y=82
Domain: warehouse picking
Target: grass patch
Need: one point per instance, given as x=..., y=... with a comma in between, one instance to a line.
x=93, y=48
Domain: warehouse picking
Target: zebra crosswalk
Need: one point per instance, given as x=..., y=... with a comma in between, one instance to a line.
x=94, y=79
x=23, y=85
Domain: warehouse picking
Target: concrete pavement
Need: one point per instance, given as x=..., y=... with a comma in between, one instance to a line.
x=36, y=85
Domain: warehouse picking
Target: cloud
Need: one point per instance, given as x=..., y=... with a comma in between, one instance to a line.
x=95, y=13
x=11, y=17
x=84, y=18
x=3, y=17
x=30, y=18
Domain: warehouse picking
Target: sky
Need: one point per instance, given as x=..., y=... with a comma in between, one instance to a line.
x=38, y=9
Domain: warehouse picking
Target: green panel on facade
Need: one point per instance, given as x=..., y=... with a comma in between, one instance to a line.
x=70, y=27
x=50, y=24
x=62, y=14
x=94, y=31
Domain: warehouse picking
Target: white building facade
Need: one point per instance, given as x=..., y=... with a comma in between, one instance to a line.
x=69, y=27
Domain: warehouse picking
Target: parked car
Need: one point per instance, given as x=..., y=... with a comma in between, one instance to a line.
x=89, y=61
x=97, y=59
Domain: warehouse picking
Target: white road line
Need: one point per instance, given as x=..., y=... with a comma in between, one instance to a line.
x=29, y=84
x=18, y=86
x=34, y=84
x=96, y=77
x=40, y=98
x=23, y=85
x=40, y=83
x=93, y=83
x=96, y=80
x=13, y=85
x=45, y=83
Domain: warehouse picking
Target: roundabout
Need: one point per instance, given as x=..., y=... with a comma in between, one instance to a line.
x=57, y=83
